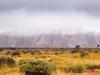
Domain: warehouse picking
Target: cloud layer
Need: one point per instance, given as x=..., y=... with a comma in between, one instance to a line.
x=49, y=16
x=90, y=6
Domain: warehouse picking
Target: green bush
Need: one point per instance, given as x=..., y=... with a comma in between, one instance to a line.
x=76, y=69
x=6, y=61
x=36, y=67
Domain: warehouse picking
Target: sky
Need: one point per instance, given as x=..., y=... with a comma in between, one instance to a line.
x=49, y=16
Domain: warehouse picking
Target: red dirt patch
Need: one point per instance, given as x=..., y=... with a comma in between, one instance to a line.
x=89, y=73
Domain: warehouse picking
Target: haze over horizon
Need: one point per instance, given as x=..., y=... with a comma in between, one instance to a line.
x=49, y=16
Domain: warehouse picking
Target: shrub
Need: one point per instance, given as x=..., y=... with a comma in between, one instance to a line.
x=32, y=53
x=74, y=51
x=36, y=67
x=76, y=69
x=16, y=53
x=96, y=51
x=13, y=53
x=6, y=61
x=83, y=53
x=93, y=66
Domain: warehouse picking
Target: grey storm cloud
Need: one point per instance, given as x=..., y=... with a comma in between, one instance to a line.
x=90, y=6
x=49, y=16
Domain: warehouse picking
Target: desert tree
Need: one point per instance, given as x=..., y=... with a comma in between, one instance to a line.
x=98, y=45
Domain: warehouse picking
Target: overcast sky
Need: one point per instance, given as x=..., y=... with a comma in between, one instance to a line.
x=49, y=16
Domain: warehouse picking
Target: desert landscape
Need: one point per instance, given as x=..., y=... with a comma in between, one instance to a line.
x=49, y=37
x=61, y=61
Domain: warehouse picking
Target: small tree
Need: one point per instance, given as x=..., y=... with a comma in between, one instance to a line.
x=77, y=47
x=98, y=45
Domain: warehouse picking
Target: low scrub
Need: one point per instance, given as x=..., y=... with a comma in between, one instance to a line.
x=93, y=66
x=83, y=54
x=37, y=67
x=6, y=61
x=76, y=69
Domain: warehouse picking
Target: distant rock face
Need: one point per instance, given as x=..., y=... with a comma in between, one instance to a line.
x=51, y=41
